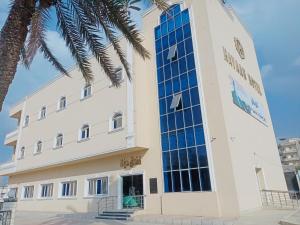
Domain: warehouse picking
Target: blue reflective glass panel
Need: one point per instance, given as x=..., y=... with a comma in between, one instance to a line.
x=171, y=25
x=186, y=99
x=182, y=65
x=185, y=17
x=188, y=119
x=175, y=70
x=165, y=42
x=158, y=45
x=165, y=57
x=176, y=85
x=173, y=141
x=168, y=181
x=192, y=153
x=197, y=115
x=188, y=45
x=178, y=21
x=194, y=173
x=184, y=82
x=161, y=90
x=195, y=96
x=180, y=50
x=167, y=71
x=174, y=160
x=159, y=60
x=166, y=161
x=176, y=181
x=191, y=62
x=169, y=102
x=171, y=121
x=165, y=142
x=160, y=75
x=172, y=38
x=187, y=31
x=205, y=179
x=183, y=159
x=163, y=18
x=181, y=139
x=199, y=132
x=162, y=106
x=157, y=32
x=179, y=35
x=179, y=119
x=190, y=139
x=192, y=78
x=163, y=124
x=168, y=87
x=164, y=29
x=185, y=180
x=202, y=156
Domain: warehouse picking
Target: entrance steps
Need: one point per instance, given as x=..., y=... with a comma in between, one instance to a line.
x=116, y=215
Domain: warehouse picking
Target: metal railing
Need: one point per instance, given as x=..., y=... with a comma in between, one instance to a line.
x=8, y=194
x=280, y=199
x=111, y=203
x=5, y=217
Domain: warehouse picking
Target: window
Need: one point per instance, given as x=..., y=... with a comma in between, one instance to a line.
x=98, y=186
x=59, y=141
x=26, y=121
x=84, y=132
x=22, y=153
x=62, y=103
x=176, y=102
x=43, y=113
x=46, y=191
x=172, y=55
x=68, y=189
x=87, y=91
x=28, y=192
x=117, y=121
x=38, y=147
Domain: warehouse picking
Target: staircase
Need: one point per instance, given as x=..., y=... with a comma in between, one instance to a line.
x=116, y=215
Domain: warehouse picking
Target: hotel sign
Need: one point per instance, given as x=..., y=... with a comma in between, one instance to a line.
x=234, y=64
x=130, y=162
x=239, y=48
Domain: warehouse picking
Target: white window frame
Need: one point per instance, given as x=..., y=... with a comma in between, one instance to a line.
x=26, y=121
x=43, y=113
x=95, y=178
x=87, y=137
x=36, y=148
x=21, y=154
x=172, y=52
x=86, y=87
x=50, y=191
x=60, y=189
x=55, y=146
x=24, y=190
x=176, y=101
x=59, y=104
x=112, y=122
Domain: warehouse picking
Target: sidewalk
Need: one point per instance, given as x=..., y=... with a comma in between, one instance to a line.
x=261, y=217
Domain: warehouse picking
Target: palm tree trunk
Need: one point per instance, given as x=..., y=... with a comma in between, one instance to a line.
x=12, y=39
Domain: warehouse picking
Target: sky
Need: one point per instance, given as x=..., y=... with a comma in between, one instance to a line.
x=275, y=28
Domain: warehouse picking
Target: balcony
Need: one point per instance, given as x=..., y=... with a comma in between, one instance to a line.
x=7, y=168
x=11, y=138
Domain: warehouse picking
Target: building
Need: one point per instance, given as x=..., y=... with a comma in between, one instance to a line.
x=190, y=135
x=289, y=150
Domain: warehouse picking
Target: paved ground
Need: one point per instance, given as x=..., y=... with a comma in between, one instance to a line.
x=261, y=217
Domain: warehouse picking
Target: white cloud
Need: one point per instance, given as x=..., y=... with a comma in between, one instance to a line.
x=266, y=70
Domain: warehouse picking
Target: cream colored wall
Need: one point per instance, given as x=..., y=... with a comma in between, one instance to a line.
x=95, y=111
x=251, y=143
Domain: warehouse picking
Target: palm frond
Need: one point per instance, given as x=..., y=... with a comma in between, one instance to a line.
x=36, y=34
x=73, y=39
x=90, y=34
x=51, y=58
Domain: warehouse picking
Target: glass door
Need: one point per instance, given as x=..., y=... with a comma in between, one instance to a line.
x=133, y=191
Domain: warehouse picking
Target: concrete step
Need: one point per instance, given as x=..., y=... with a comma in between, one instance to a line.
x=118, y=212
x=111, y=218
x=116, y=215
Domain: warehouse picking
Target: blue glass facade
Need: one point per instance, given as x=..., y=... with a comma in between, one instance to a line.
x=185, y=164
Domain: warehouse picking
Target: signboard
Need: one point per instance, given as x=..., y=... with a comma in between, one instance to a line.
x=246, y=102
x=153, y=186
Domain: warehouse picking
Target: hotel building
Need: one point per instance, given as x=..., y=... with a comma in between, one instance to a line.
x=191, y=134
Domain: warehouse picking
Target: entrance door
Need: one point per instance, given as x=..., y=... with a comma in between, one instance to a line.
x=133, y=191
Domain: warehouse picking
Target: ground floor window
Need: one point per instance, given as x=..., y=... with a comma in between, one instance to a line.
x=97, y=186
x=69, y=189
x=46, y=190
x=28, y=192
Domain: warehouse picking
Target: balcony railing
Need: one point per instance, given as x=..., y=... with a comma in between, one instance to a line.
x=280, y=199
x=111, y=203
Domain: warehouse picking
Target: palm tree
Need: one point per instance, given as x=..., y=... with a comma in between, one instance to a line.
x=131, y=5
x=79, y=22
